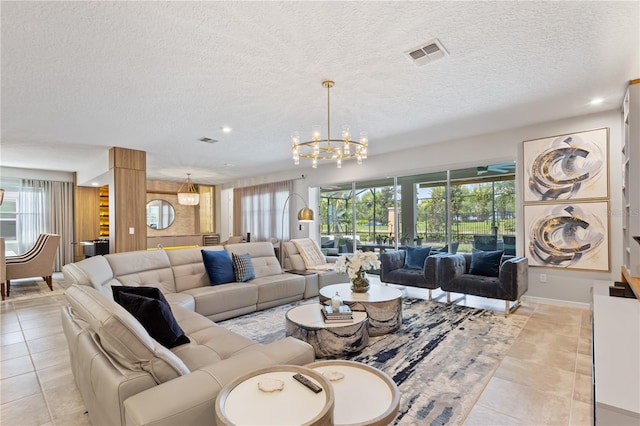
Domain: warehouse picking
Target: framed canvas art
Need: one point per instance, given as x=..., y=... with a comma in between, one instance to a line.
x=568, y=235
x=573, y=166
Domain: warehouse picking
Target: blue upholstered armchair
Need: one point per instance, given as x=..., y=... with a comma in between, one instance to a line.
x=509, y=284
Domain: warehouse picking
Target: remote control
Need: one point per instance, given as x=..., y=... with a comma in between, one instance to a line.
x=308, y=383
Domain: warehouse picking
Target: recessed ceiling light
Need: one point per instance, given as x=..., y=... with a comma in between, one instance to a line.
x=596, y=101
x=226, y=129
x=94, y=183
x=229, y=165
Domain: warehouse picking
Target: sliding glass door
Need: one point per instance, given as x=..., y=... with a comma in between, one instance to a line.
x=453, y=211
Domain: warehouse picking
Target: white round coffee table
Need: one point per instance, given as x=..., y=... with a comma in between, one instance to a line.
x=365, y=395
x=382, y=303
x=305, y=322
x=243, y=403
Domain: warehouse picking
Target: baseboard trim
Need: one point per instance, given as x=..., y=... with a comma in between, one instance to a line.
x=557, y=302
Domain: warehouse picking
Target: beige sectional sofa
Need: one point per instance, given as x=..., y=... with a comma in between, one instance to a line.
x=126, y=377
x=182, y=277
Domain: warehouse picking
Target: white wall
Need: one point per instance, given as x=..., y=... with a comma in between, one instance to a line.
x=566, y=285
x=51, y=175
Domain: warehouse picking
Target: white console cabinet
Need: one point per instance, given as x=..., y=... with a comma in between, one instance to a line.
x=616, y=357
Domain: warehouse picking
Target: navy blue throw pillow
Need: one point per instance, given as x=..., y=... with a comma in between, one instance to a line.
x=152, y=292
x=156, y=317
x=485, y=263
x=415, y=256
x=219, y=266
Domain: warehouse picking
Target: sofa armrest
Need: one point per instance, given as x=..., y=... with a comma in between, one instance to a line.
x=390, y=261
x=451, y=266
x=190, y=399
x=514, y=277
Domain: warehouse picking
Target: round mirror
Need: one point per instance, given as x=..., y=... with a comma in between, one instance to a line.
x=160, y=214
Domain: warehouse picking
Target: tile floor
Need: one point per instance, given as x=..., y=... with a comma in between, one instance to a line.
x=544, y=379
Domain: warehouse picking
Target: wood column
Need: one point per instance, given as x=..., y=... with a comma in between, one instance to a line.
x=127, y=200
x=86, y=221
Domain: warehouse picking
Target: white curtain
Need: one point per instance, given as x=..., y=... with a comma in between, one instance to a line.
x=259, y=209
x=45, y=207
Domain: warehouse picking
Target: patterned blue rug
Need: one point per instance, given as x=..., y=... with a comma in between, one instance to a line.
x=441, y=358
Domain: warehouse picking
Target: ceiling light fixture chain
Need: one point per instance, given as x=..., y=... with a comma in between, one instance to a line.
x=322, y=149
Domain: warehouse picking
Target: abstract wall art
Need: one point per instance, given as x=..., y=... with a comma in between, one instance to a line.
x=573, y=166
x=568, y=235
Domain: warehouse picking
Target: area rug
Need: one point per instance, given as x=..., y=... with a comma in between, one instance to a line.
x=441, y=358
x=31, y=288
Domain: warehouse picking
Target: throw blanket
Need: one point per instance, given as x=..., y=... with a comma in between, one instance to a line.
x=310, y=253
x=324, y=267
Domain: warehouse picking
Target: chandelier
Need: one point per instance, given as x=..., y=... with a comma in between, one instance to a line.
x=190, y=196
x=329, y=149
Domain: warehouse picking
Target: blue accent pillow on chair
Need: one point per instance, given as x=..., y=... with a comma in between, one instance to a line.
x=415, y=257
x=485, y=263
x=219, y=266
x=243, y=267
x=154, y=314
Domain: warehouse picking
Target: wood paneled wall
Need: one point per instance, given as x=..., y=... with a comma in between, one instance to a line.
x=127, y=200
x=86, y=210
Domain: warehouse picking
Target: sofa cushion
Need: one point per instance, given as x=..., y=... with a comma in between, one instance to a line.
x=310, y=252
x=148, y=305
x=243, y=267
x=485, y=263
x=233, y=297
x=182, y=299
x=149, y=268
x=99, y=273
x=262, y=255
x=219, y=267
x=292, y=258
x=275, y=290
x=122, y=336
x=188, y=267
x=416, y=256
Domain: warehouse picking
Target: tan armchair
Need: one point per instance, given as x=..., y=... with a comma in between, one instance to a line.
x=37, y=262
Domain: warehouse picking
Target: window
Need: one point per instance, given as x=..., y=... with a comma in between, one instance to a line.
x=437, y=209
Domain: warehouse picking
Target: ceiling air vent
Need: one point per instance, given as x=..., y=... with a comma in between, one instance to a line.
x=208, y=140
x=427, y=52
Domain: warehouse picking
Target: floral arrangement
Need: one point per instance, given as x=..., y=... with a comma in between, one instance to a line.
x=358, y=263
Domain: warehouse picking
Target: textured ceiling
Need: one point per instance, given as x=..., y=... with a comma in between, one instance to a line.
x=79, y=77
